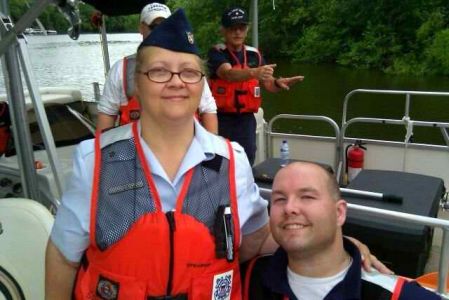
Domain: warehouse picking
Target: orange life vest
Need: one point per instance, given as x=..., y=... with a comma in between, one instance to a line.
x=131, y=110
x=137, y=251
x=237, y=96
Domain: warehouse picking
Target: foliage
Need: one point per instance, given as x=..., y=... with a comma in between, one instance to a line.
x=395, y=36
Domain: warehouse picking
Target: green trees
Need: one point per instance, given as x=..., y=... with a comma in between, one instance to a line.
x=395, y=36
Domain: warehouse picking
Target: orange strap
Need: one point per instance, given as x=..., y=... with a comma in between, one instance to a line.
x=233, y=195
x=95, y=187
x=246, y=283
x=398, y=288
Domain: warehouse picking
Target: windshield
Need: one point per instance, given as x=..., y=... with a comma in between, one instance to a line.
x=66, y=128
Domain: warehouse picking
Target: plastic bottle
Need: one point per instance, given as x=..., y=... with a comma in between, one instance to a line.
x=285, y=153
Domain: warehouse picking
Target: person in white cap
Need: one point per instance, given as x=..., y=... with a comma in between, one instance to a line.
x=118, y=100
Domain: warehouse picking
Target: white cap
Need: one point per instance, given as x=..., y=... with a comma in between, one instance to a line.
x=153, y=11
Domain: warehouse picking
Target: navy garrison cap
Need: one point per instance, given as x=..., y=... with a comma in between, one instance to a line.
x=174, y=34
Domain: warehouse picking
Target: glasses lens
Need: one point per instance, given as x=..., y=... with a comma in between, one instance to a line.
x=191, y=76
x=159, y=75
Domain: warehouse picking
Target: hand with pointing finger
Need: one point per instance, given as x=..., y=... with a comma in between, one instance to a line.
x=285, y=83
x=265, y=72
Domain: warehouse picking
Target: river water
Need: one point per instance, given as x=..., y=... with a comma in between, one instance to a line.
x=59, y=61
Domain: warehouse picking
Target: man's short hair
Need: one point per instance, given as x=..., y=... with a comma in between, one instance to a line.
x=331, y=181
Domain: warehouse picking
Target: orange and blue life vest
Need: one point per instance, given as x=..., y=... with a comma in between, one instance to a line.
x=138, y=251
x=266, y=279
x=237, y=96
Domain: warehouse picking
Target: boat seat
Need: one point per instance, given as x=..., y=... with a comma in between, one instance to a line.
x=25, y=228
x=52, y=95
x=402, y=246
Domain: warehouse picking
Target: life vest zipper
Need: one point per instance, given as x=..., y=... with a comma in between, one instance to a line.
x=172, y=227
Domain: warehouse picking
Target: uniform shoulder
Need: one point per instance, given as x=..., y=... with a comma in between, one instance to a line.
x=221, y=148
x=412, y=290
x=115, y=134
x=387, y=282
x=86, y=148
x=251, y=49
x=132, y=56
x=219, y=47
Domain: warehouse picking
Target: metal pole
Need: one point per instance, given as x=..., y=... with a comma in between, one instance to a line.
x=4, y=8
x=444, y=263
x=255, y=23
x=16, y=100
x=104, y=45
x=407, y=105
x=42, y=120
x=97, y=92
x=25, y=21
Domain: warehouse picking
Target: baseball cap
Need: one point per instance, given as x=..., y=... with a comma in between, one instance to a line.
x=153, y=11
x=234, y=16
x=174, y=34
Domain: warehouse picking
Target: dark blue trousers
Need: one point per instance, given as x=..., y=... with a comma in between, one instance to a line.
x=240, y=128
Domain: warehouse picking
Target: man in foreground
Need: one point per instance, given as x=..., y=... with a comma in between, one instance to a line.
x=315, y=261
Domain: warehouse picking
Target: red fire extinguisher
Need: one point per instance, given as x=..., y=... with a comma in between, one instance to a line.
x=354, y=159
x=5, y=123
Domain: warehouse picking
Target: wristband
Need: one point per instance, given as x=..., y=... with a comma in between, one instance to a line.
x=276, y=84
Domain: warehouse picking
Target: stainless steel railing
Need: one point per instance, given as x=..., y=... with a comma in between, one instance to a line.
x=270, y=133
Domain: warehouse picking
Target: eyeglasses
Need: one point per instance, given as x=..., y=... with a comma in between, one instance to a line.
x=161, y=75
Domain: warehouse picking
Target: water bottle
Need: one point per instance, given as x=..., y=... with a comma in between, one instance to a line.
x=284, y=153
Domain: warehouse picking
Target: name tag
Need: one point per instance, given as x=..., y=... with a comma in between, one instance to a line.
x=125, y=187
x=257, y=92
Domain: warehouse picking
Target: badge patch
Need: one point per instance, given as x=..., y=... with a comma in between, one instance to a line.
x=221, y=90
x=107, y=289
x=222, y=286
x=134, y=115
x=190, y=37
x=256, y=91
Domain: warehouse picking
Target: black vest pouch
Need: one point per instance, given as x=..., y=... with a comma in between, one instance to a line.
x=224, y=233
x=220, y=234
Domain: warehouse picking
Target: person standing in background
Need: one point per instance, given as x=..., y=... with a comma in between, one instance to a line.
x=118, y=98
x=236, y=73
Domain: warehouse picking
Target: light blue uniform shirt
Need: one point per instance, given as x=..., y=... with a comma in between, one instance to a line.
x=70, y=232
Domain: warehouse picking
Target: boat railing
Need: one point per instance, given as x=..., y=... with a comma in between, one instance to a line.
x=406, y=121
x=271, y=134
x=443, y=266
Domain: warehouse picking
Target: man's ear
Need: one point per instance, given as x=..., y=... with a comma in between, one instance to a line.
x=141, y=28
x=342, y=208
